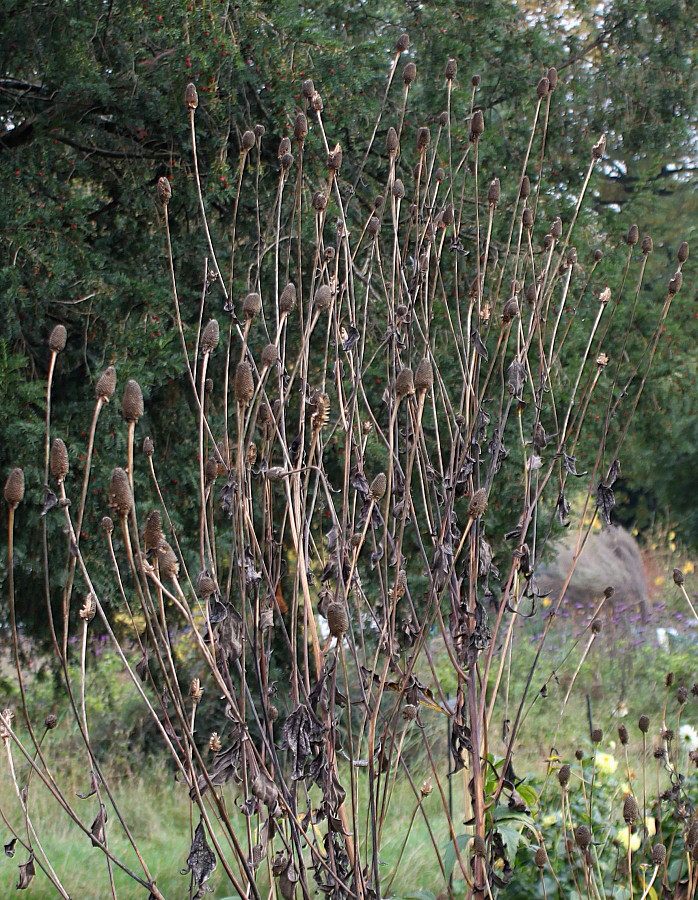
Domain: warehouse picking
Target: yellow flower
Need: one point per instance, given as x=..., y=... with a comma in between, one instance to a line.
x=651, y=826
x=606, y=764
x=549, y=820
x=622, y=838
x=688, y=568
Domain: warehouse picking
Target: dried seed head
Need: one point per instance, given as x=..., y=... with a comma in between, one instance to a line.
x=679, y=577
x=316, y=102
x=205, y=584
x=59, y=460
x=377, y=204
x=579, y=755
x=248, y=141
x=284, y=147
x=334, y=158
x=548, y=241
x=682, y=695
x=409, y=712
x=320, y=404
x=563, y=775
x=404, y=383
x=148, y=446
x=552, y=78
x=423, y=138
x=152, y=532
x=644, y=724
x=378, y=487
x=286, y=162
x=300, y=127
x=308, y=88
x=330, y=253
x=252, y=305
x=244, y=382
x=164, y=190
x=208, y=385
x=676, y=282
x=214, y=742
x=623, y=736
x=57, y=339
x=658, y=854
x=477, y=126
x=107, y=525
x=478, y=504
x=89, y=608
x=319, y=201
x=50, y=722
x=259, y=131
x=510, y=310
x=668, y=734
x=209, y=339
x=337, y=619
x=424, y=376
x=374, y=226
x=572, y=256
x=556, y=227
x=439, y=175
x=451, y=69
x=542, y=88
x=392, y=144
x=211, y=470
x=167, y=561
x=398, y=189
x=582, y=836
x=323, y=298
x=409, y=73
x=598, y=255
x=196, y=692
x=633, y=236
x=287, y=300
x=191, y=97
x=527, y=218
x=599, y=148
x=475, y=81
x=530, y=293
x=683, y=251
x=596, y=736
x=106, y=384
x=270, y=356
x=540, y=857
x=402, y=43
x=14, y=488
x=132, y=401
x=120, y=496
x=494, y=192
x=630, y=809
x=479, y=846
x=525, y=188
x=443, y=120
x=669, y=679
x=647, y=245
x=691, y=837
x=448, y=215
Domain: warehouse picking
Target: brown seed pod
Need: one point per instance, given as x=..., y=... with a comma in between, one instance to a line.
x=572, y=256
x=148, y=446
x=563, y=775
x=451, y=69
x=168, y=563
x=644, y=724
x=248, y=141
x=579, y=755
x=540, y=857
x=252, y=305
x=448, y=215
x=287, y=300
x=598, y=255
x=211, y=470
x=284, y=147
x=409, y=73
x=300, y=127
x=596, y=736
x=494, y=192
x=59, y=460
x=152, y=532
x=530, y=293
x=527, y=218
x=633, y=236
x=205, y=584
x=402, y=43
x=319, y=201
x=106, y=384
x=548, y=241
x=658, y=854
x=552, y=78
x=582, y=836
x=424, y=376
x=691, y=837
x=259, y=131
x=50, y=722
x=323, y=298
x=374, y=226
x=210, y=337
x=377, y=204
x=409, y=712
x=120, y=496
x=623, y=735
x=244, y=382
x=404, y=383
x=337, y=619
x=676, y=282
x=439, y=175
x=57, y=338
x=477, y=126
x=682, y=695
x=630, y=809
x=542, y=88
x=270, y=356
x=334, y=158
x=330, y=253
x=479, y=846
x=14, y=488
x=599, y=148
x=423, y=138
x=308, y=89
x=478, y=504
x=378, y=487
x=316, y=102
x=679, y=577
x=443, y=119
x=556, y=228
x=669, y=679
x=683, y=252
x=107, y=525
x=132, y=401
x=191, y=97
x=525, y=188
x=647, y=244
x=392, y=144
x=510, y=310
x=398, y=189
x=286, y=162
x=164, y=190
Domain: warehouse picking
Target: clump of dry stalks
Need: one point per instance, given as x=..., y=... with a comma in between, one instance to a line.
x=324, y=499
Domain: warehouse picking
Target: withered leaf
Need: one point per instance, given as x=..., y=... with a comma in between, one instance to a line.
x=570, y=464
x=461, y=744
x=478, y=346
x=605, y=501
x=201, y=861
x=352, y=337
x=516, y=377
x=301, y=729
x=95, y=781
x=563, y=510
x=98, y=829
x=26, y=873
x=227, y=495
x=142, y=667
x=10, y=848
x=50, y=500
x=218, y=611
x=358, y=480
x=613, y=473
x=226, y=765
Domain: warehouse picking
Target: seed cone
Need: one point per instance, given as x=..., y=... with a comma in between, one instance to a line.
x=120, y=496
x=378, y=487
x=409, y=73
x=244, y=382
x=205, y=584
x=552, y=78
x=337, y=619
x=676, y=282
x=599, y=148
x=404, y=383
x=164, y=190
x=542, y=88
x=391, y=141
x=14, y=488
x=475, y=81
x=479, y=846
x=402, y=43
x=582, y=836
x=59, y=460
x=644, y=724
x=323, y=298
x=478, y=504
x=658, y=854
x=167, y=561
x=132, y=401
x=57, y=339
x=259, y=131
x=51, y=721
x=286, y=161
x=284, y=147
x=424, y=376
x=191, y=97
x=398, y=189
x=106, y=384
x=563, y=775
x=270, y=356
x=300, y=127
x=287, y=300
x=443, y=121
x=211, y=470
x=477, y=126
x=540, y=858
x=148, y=446
x=679, y=577
x=152, y=533
x=334, y=158
x=423, y=138
x=525, y=188
x=252, y=305
x=647, y=244
x=510, y=310
x=633, y=236
x=630, y=809
x=451, y=69
x=683, y=251
x=494, y=192
x=556, y=228
x=374, y=226
x=623, y=735
x=107, y=524
x=527, y=218
x=248, y=140
x=319, y=201
x=308, y=88
x=596, y=736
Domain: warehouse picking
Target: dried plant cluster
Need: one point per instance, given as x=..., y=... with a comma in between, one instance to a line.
x=363, y=379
